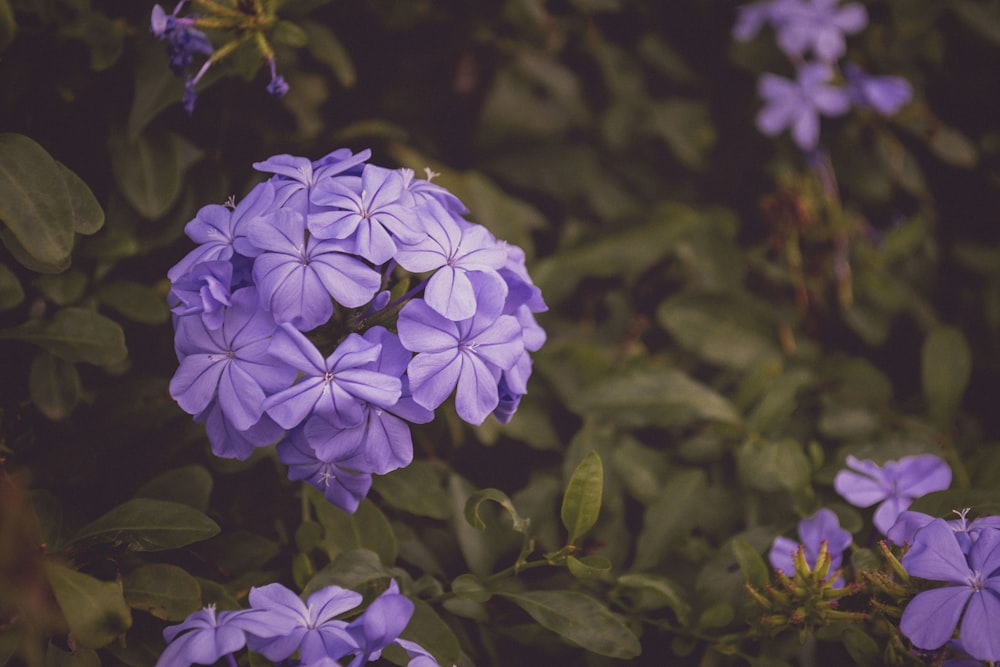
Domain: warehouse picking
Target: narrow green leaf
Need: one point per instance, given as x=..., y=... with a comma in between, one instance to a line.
x=8, y=26
x=479, y=497
x=751, y=563
x=149, y=525
x=945, y=368
x=165, y=591
x=579, y=619
x=35, y=204
x=581, y=503
x=54, y=386
x=95, y=610
x=665, y=589
x=137, y=302
x=11, y=292
x=75, y=335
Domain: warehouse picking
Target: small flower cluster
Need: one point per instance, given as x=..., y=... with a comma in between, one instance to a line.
x=184, y=38
x=336, y=303
x=812, y=34
x=278, y=624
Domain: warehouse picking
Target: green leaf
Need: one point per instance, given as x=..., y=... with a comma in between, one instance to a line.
x=135, y=301
x=156, y=87
x=728, y=329
x=56, y=657
x=521, y=524
x=367, y=528
x=8, y=26
x=95, y=610
x=11, y=292
x=665, y=589
x=579, y=619
x=189, y=485
x=653, y=396
x=670, y=517
x=62, y=289
x=978, y=16
x=286, y=32
x=773, y=465
x=165, y=591
x=238, y=552
x=149, y=171
x=581, y=503
x=586, y=567
x=87, y=215
x=982, y=502
x=862, y=648
x=75, y=335
x=719, y=615
x=686, y=126
x=354, y=569
x=433, y=634
x=418, y=489
x=753, y=566
x=469, y=587
x=149, y=525
x=54, y=386
x=35, y=203
x=945, y=368
x=326, y=48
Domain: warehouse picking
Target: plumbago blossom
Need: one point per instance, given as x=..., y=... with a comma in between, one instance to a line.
x=823, y=526
x=280, y=624
x=337, y=304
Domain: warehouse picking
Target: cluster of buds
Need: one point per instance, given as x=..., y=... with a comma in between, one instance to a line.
x=246, y=20
x=806, y=600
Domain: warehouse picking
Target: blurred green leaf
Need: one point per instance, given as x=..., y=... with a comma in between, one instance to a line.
x=773, y=465
x=668, y=518
x=326, y=48
x=982, y=502
x=135, y=301
x=54, y=386
x=155, y=85
x=149, y=525
x=290, y=34
x=417, y=488
x=780, y=400
x=641, y=469
x=87, y=215
x=428, y=630
x=75, y=335
x=753, y=566
x=945, y=369
x=35, y=203
x=981, y=17
x=62, y=289
x=719, y=615
x=11, y=292
x=165, y=591
x=863, y=649
x=581, y=503
x=581, y=620
x=95, y=610
x=354, y=568
x=686, y=127
x=586, y=567
x=665, y=589
x=189, y=485
x=81, y=657
x=469, y=587
x=367, y=528
x=149, y=170
x=654, y=396
x=239, y=552
x=8, y=26
x=729, y=329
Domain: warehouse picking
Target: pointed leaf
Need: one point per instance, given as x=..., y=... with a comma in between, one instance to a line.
x=581, y=620
x=479, y=497
x=75, y=335
x=945, y=368
x=582, y=501
x=189, y=485
x=149, y=525
x=54, y=386
x=671, y=594
x=137, y=302
x=751, y=563
x=165, y=591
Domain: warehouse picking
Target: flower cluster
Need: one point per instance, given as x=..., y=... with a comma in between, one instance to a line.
x=812, y=34
x=278, y=624
x=184, y=38
x=966, y=557
x=335, y=304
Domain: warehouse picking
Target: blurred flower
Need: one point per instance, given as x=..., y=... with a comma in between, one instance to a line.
x=909, y=523
x=884, y=94
x=823, y=526
x=309, y=627
x=204, y=637
x=797, y=104
x=971, y=593
x=893, y=486
x=817, y=26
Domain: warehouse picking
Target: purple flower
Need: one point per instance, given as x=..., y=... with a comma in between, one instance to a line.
x=908, y=523
x=371, y=211
x=230, y=364
x=335, y=388
x=453, y=250
x=297, y=274
x=204, y=637
x=893, y=486
x=204, y=290
x=818, y=26
x=751, y=17
x=309, y=627
x=182, y=38
x=277, y=87
x=470, y=354
x=972, y=586
x=797, y=104
x=380, y=625
x=229, y=442
x=294, y=177
x=340, y=485
x=823, y=526
x=884, y=94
